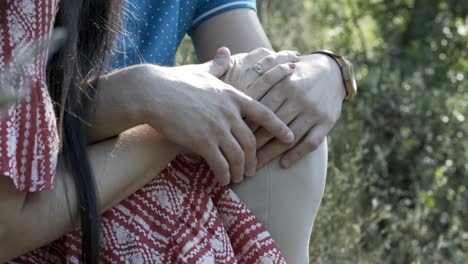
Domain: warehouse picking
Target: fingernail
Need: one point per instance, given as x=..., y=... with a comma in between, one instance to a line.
x=237, y=180
x=220, y=57
x=226, y=179
x=285, y=163
x=289, y=137
x=292, y=66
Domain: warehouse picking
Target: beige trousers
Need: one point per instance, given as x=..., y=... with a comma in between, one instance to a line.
x=287, y=201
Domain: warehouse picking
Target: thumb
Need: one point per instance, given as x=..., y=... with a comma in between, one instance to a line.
x=220, y=64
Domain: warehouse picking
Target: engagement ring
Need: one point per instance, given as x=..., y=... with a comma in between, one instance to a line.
x=258, y=68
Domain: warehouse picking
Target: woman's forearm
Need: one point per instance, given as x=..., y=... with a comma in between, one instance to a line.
x=121, y=166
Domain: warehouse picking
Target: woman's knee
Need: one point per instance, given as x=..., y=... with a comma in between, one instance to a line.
x=294, y=199
x=287, y=200
x=308, y=175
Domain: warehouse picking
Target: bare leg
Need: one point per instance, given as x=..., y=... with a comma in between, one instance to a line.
x=287, y=201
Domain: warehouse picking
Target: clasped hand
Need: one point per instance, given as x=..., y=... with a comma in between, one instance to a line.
x=234, y=111
x=192, y=107
x=308, y=100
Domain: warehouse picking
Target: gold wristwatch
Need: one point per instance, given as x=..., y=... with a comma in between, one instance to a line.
x=346, y=72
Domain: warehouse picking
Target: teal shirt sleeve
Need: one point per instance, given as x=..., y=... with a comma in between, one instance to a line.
x=207, y=9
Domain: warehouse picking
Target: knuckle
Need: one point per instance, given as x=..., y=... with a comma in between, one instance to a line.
x=286, y=93
x=253, y=142
x=291, y=54
x=270, y=59
x=264, y=114
x=287, y=53
x=276, y=99
x=231, y=115
x=232, y=93
x=268, y=79
x=239, y=159
x=217, y=127
x=233, y=105
x=250, y=145
x=263, y=50
x=283, y=91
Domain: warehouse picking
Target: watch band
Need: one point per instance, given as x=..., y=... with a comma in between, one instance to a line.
x=346, y=72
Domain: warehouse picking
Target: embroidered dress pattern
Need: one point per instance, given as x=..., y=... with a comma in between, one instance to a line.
x=182, y=216
x=28, y=137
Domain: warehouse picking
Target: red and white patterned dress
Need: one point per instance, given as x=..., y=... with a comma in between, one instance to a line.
x=181, y=217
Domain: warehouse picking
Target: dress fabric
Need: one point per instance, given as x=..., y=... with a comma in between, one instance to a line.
x=183, y=216
x=28, y=137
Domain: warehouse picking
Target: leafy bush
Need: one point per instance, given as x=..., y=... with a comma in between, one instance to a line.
x=398, y=159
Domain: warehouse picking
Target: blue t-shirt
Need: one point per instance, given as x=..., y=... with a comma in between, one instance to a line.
x=155, y=28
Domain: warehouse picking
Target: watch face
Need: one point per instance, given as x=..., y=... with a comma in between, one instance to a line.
x=354, y=84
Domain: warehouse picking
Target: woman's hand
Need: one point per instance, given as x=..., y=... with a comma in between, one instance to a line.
x=196, y=110
x=255, y=73
x=310, y=102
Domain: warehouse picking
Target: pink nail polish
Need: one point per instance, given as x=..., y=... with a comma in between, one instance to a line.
x=292, y=66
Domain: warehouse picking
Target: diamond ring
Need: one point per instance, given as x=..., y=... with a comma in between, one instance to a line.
x=258, y=68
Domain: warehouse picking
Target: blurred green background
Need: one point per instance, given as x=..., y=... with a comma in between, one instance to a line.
x=398, y=158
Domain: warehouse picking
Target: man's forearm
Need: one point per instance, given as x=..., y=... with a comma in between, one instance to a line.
x=117, y=105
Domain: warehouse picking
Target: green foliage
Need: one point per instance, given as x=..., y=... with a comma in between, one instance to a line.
x=398, y=161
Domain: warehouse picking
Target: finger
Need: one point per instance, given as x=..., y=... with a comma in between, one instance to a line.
x=218, y=164
x=258, y=54
x=246, y=139
x=263, y=116
x=220, y=64
x=266, y=81
x=275, y=148
x=286, y=113
x=273, y=100
x=281, y=57
x=235, y=156
x=307, y=145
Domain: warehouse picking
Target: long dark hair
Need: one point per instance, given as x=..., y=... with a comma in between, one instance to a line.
x=72, y=74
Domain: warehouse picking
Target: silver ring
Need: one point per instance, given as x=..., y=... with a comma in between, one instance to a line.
x=258, y=68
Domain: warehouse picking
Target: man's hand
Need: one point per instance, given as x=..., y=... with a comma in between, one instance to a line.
x=194, y=109
x=310, y=102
